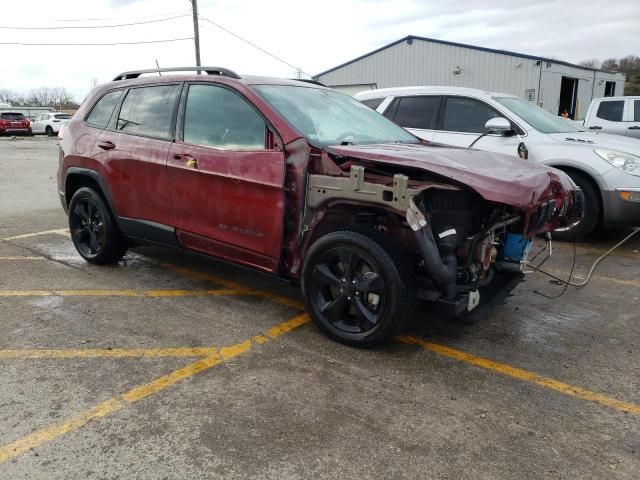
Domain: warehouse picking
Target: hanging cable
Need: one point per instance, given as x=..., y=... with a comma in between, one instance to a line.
x=78, y=27
x=593, y=266
x=253, y=45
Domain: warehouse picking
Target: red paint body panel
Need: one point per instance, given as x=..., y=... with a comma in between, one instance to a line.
x=496, y=177
x=136, y=170
x=234, y=198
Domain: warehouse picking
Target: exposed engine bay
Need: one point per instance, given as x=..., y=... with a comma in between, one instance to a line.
x=460, y=239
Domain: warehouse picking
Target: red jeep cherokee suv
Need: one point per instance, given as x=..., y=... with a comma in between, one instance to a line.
x=306, y=183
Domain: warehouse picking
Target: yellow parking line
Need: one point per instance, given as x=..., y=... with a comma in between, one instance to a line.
x=115, y=404
x=59, y=231
x=524, y=375
x=120, y=293
x=233, y=285
x=107, y=353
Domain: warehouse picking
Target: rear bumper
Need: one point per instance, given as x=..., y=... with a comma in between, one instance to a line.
x=15, y=131
x=620, y=213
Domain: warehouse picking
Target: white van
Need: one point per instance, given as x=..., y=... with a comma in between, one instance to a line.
x=606, y=167
x=618, y=115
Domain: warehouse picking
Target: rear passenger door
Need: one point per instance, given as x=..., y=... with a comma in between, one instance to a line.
x=462, y=121
x=417, y=114
x=608, y=117
x=227, y=175
x=134, y=149
x=633, y=117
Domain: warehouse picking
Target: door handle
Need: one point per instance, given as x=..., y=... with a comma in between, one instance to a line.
x=595, y=128
x=189, y=161
x=107, y=145
x=635, y=127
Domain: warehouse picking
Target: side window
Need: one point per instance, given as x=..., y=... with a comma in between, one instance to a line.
x=217, y=117
x=611, y=111
x=148, y=111
x=466, y=115
x=372, y=103
x=101, y=111
x=417, y=112
x=636, y=110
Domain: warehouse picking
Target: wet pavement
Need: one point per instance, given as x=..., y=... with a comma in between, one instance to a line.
x=169, y=365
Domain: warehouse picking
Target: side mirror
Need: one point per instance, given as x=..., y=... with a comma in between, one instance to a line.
x=498, y=125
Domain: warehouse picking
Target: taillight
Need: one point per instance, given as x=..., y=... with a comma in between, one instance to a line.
x=4, y=123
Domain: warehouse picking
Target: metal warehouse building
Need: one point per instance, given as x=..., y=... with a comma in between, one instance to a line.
x=553, y=84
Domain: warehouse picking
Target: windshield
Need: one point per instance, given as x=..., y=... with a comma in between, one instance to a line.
x=12, y=116
x=535, y=116
x=327, y=117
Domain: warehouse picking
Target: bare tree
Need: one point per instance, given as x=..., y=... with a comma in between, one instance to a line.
x=591, y=63
x=56, y=97
x=610, y=64
x=10, y=97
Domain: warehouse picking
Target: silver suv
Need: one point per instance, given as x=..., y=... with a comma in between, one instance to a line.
x=606, y=167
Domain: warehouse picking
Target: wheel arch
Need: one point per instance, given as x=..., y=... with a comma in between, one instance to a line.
x=77, y=177
x=591, y=178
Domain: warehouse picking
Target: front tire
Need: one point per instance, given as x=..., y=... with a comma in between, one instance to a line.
x=592, y=211
x=357, y=287
x=93, y=229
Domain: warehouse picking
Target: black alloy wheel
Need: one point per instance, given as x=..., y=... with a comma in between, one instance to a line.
x=358, y=286
x=348, y=289
x=93, y=230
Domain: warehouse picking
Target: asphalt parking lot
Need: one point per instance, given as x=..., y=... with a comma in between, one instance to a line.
x=171, y=366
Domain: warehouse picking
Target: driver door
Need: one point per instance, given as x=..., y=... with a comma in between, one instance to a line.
x=226, y=179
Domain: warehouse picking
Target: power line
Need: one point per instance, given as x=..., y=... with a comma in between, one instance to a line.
x=76, y=27
x=145, y=17
x=252, y=44
x=95, y=44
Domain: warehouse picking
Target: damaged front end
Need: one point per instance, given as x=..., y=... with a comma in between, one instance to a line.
x=457, y=238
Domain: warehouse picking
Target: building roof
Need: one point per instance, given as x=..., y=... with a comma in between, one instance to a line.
x=410, y=38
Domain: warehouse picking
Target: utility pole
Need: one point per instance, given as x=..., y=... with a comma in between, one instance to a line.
x=196, y=31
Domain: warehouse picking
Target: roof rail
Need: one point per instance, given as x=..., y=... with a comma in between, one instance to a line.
x=210, y=70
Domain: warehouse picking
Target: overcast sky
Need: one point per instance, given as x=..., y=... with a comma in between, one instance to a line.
x=313, y=36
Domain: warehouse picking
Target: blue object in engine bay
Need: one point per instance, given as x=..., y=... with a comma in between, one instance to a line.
x=516, y=247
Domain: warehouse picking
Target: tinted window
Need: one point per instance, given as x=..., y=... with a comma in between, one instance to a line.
x=467, y=115
x=217, y=117
x=636, y=111
x=611, y=111
x=62, y=116
x=148, y=111
x=416, y=112
x=12, y=116
x=101, y=112
x=372, y=103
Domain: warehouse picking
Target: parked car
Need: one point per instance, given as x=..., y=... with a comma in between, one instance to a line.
x=302, y=182
x=605, y=167
x=617, y=115
x=14, y=123
x=50, y=123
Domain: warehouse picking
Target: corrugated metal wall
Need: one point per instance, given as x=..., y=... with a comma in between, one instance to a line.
x=430, y=63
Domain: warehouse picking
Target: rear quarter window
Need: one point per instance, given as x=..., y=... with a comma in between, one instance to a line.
x=103, y=109
x=372, y=103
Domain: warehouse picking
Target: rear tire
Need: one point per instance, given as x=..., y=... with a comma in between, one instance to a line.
x=94, y=231
x=358, y=288
x=592, y=211
x=49, y=131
